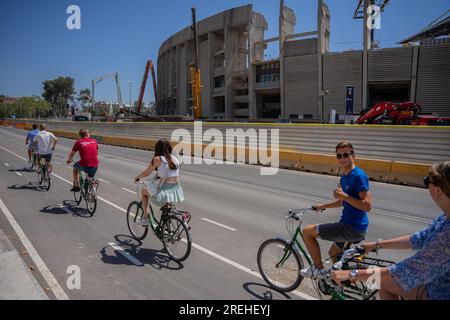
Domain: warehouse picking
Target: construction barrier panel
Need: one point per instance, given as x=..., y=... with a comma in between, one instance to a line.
x=290, y=159
x=408, y=173
x=377, y=170
x=319, y=163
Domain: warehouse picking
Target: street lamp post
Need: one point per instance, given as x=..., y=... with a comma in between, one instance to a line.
x=130, y=82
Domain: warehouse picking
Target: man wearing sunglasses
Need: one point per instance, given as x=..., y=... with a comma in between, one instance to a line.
x=354, y=195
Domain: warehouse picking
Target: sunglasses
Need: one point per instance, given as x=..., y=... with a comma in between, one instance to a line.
x=344, y=155
x=427, y=181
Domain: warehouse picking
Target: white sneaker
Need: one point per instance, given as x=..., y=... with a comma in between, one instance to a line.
x=314, y=273
x=143, y=222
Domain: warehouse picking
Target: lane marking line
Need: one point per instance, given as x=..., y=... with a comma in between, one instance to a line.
x=104, y=181
x=129, y=191
x=219, y=224
x=19, y=174
x=6, y=164
x=126, y=254
x=245, y=269
x=40, y=264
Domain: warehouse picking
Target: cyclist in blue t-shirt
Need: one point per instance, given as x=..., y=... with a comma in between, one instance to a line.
x=30, y=141
x=354, y=195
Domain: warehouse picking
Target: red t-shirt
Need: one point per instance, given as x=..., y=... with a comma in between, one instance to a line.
x=88, y=149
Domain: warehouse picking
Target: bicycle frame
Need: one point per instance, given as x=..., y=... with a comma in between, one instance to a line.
x=154, y=222
x=336, y=292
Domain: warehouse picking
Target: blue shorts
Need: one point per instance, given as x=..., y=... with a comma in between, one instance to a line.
x=47, y=157
x=90, y=171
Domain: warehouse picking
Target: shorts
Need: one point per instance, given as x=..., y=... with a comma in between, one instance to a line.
x=32, y=147
x=90, y=171
x=339, y=233
x=47, y=157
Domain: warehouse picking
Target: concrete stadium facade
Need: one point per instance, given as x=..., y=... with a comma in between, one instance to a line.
x=305, y=83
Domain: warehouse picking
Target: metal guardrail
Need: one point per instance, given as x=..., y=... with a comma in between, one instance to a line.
x=411, y=144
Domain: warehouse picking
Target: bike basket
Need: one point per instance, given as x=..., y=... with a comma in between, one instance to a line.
x=362, y=262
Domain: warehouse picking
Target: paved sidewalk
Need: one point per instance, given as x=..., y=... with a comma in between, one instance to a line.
x=16, y=280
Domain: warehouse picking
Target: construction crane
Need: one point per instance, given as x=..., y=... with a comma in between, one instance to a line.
x=149, y=67
x=195, y=73
x=100, y=79
x=360, y=13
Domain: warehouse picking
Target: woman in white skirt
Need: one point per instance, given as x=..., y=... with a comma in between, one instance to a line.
x=170, y=190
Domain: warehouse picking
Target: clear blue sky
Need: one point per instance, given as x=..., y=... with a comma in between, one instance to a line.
x=119, y=35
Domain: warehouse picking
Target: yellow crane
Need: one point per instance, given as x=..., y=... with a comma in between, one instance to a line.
x=195, y=73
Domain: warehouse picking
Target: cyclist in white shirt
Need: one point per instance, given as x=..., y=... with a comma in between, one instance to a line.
x=46, y=142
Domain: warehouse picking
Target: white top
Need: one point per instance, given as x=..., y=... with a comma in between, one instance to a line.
x=165, y=172
x=45, y=142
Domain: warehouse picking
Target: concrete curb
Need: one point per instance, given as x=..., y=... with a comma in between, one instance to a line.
x=16, y=280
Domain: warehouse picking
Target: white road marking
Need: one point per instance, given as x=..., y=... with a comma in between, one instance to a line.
x=40, y=264
x=6, y=164
x=69, y=167
x=107, y=182
x=128, y=190
x=112, y=204
x=58, y=163
x=127, y=255
x=19, y=174
x=13, y=153
x=66, y=210
x=245, y=269
x=219, y=224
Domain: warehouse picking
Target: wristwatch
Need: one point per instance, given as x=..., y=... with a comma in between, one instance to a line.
x=378, y=244
x=354, y=274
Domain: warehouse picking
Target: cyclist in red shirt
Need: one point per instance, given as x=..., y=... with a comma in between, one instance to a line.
x=88, y=149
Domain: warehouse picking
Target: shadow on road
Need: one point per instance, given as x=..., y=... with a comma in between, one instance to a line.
x=22, y=170
x=30, y=186
x=69, y=209
x=262, y=291
x=155, y=258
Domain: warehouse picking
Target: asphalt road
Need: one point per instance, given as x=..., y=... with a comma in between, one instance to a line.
x=234, y=210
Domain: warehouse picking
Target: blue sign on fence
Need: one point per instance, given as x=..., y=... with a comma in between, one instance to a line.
x=349, y=99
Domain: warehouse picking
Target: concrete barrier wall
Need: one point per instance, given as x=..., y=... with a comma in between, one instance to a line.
x=389, y=171
x=398, y=143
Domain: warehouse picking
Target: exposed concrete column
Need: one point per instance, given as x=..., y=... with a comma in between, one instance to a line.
x=287, y=24
x=415, y=68
x=212, y=48
x=230, y=52
x=281, y=48
x=320, y=58
x=365, y=65
x=256, y=30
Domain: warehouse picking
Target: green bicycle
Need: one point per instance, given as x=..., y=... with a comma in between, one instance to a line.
x=172, y=228
x=44, y=171
x=88, y=192
x=280, y=261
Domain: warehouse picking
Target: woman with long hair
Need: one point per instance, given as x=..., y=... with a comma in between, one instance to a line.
x=169, y=190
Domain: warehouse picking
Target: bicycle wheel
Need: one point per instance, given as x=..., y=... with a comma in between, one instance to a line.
x=40, y=175
x=285, y=277
x=91, y=200
x=47, y=180
x=135, y=212
x=176, y=238
x=78, y=197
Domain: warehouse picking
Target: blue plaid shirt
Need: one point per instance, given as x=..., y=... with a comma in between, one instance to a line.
x=430, y=266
